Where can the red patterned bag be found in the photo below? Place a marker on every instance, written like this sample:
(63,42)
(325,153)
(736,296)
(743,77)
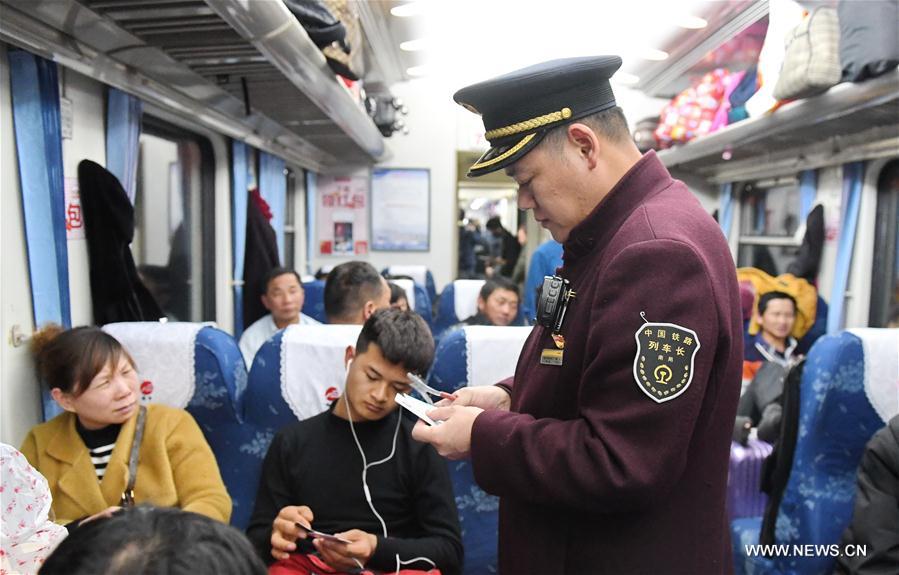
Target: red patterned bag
(692,112)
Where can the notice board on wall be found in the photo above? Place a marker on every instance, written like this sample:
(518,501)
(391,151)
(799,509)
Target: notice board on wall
(401,209)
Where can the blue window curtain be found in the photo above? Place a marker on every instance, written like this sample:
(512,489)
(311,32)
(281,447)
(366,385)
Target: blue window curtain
(853,178)
(808,189)
(123,113)
(726,208)
(311,199)
(35,103)
(239,193)
(273,189)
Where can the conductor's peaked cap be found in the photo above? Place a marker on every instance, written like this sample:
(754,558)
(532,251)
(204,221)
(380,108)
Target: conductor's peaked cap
(520,107)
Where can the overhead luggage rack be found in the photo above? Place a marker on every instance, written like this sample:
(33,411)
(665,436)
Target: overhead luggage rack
(251,74)
(848,119)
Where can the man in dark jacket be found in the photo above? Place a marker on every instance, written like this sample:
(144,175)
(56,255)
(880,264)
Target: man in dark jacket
(609,448)
(509,247)
(874,523)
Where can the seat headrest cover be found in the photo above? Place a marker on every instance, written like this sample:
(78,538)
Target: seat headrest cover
(165,358)
(492,352)
(417,273)
(466,297)
(408,287)
(312,365)
(881,350)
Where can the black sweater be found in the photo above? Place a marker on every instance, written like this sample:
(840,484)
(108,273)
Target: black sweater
(316,463)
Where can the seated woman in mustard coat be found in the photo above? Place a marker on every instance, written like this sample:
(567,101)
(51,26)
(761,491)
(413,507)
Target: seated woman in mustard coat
(84,453)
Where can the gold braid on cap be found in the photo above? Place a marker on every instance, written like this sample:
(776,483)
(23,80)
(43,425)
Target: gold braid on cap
(504,155)
(531,124)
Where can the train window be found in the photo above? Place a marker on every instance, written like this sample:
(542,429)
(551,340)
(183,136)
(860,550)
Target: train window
(290,230)
(885,283)
(769,218)
(174,221)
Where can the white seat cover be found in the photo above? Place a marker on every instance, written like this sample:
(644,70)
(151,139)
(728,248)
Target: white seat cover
(312,365)
(466,297)
(492,352)
(165,356)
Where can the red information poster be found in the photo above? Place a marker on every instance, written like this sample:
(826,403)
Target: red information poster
(74,218)
(342,215)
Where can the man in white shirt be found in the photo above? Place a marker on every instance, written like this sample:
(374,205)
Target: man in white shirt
(283,297)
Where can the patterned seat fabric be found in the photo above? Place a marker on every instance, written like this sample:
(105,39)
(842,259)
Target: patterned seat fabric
(264,412)
(217,405)
(836,419)
(478,511)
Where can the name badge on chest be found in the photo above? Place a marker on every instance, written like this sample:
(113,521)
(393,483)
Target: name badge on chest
(551,356)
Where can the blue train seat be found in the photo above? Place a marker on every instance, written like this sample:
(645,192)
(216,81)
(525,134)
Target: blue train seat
(419,301)
(421,275)
(314,300)
(847,393)
(295,374)
(204,373)
(476,355)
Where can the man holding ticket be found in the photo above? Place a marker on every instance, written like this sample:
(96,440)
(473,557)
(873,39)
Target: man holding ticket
(609,448)
(350,489)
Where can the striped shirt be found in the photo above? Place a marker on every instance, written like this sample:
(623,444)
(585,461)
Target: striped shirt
(99,443)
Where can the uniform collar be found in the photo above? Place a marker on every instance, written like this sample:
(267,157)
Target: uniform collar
(645,178)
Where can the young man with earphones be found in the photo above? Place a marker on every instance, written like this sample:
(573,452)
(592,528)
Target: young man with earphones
(349,490)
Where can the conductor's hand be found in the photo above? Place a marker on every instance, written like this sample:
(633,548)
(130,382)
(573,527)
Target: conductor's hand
(285,531)
(452,438)
(483,396)
(346,557)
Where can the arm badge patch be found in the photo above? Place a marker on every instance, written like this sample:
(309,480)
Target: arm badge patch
(663,366)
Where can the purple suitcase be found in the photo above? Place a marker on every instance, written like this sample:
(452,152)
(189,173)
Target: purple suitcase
(744,498)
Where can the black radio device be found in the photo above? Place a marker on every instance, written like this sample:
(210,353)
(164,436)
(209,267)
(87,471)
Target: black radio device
(555,296)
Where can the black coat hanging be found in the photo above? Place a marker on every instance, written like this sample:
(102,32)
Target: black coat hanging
(117,292)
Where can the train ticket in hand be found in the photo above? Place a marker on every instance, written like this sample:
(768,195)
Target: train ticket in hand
(313,534)
(417,407)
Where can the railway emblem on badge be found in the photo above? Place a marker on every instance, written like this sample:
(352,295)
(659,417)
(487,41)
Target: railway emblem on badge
(663,365)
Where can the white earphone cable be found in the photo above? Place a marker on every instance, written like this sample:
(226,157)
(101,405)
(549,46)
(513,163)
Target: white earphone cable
(366,466)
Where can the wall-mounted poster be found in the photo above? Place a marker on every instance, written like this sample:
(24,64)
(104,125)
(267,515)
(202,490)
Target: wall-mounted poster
(342,217)
(401,209)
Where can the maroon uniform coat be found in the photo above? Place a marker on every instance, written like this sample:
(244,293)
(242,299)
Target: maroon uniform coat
(610,465)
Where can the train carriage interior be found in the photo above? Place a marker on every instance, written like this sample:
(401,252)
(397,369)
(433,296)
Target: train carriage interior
(159,158)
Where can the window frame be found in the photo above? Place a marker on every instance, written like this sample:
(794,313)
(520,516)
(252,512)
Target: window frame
(159,128)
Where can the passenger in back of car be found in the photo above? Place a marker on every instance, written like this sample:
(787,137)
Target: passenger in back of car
(85,452)
(283,298)
(355,471)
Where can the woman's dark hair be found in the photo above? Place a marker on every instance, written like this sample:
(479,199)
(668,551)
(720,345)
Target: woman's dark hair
(397,293)
(149,540)
(70,359)
(402,336)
